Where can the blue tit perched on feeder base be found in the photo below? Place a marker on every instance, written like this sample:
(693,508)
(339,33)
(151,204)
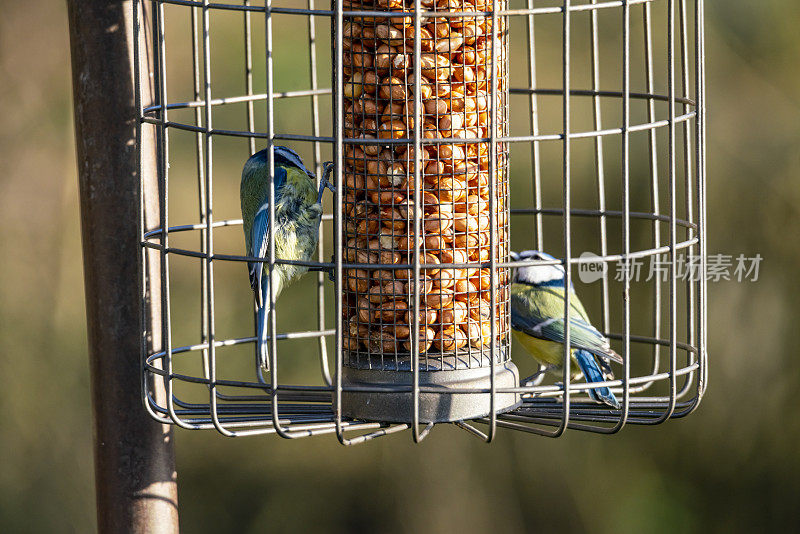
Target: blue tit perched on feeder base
(537,319)
(298,211)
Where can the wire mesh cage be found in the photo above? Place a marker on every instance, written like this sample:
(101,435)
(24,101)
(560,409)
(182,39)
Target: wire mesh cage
(458,129)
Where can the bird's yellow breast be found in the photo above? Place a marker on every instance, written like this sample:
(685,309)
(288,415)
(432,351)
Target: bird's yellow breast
(546,352)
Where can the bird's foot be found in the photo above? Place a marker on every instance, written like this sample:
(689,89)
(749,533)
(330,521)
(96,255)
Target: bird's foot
(326,177)
(324,182)
(536,378)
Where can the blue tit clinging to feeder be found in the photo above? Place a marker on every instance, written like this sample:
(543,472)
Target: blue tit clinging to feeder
(298,211)
(537,319)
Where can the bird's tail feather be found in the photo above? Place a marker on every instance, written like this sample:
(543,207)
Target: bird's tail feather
(262,315)
(592,373)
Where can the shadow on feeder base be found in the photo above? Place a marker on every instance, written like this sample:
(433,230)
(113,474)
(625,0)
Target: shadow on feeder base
(445,407)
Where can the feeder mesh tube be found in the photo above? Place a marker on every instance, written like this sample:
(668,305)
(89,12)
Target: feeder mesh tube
(454,205)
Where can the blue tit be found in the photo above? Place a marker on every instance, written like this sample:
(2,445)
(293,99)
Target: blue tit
(298,211)
(537,319)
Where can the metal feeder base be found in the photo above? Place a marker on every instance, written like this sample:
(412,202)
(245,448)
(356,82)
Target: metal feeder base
(447,406)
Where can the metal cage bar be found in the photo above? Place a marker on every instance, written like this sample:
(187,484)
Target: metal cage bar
(262,404)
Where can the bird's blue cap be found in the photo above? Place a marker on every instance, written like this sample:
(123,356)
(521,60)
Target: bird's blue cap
(284,156)
(538,275)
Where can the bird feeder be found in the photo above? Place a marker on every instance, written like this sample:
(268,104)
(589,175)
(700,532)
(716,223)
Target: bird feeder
(425,208)
(456,127)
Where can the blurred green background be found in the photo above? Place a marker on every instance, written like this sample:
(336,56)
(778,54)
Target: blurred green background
(732,466)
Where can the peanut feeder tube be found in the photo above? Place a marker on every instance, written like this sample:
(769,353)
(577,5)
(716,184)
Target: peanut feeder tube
(453,203)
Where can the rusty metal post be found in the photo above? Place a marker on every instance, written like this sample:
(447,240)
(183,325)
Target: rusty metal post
(134,459)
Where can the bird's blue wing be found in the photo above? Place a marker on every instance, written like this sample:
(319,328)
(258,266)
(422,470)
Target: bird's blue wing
(582,334)
(546,322)
(259,238)
(260,248)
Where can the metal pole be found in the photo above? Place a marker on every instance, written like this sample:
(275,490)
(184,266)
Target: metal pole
(134,460)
